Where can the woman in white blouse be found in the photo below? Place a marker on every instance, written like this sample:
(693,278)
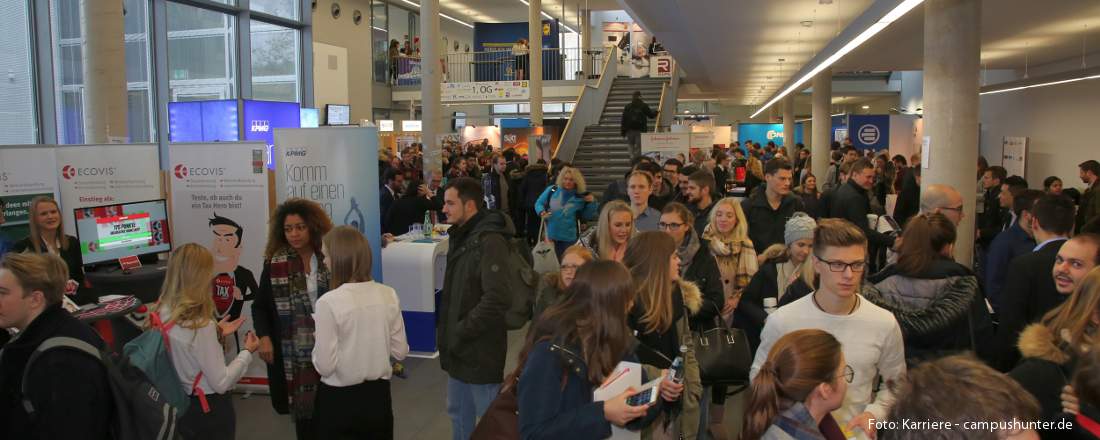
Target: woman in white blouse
(358,329)
(187,308)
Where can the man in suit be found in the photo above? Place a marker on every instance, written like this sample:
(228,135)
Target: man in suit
(1029,288)
(393,185)
(991,220)
(1013,242)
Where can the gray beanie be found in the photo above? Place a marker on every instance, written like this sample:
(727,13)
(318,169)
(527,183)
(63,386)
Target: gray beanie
(799,226)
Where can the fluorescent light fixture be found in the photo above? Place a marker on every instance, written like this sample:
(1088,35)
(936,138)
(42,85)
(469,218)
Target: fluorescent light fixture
(866,107)
(378,29)
(811,119)
(441,15)
(1051,80)
(893,15)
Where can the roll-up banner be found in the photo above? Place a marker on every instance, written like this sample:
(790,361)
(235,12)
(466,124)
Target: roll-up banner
(26,172)
(219,199)
(338,168)
(107,174)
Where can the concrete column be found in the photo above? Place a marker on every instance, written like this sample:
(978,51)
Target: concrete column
(430,79)
(104,58)
(788,125)
(822,123)
(952,30)
(534,67)
(586,42)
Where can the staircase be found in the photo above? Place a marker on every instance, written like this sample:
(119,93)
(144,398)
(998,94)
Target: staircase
(603,155)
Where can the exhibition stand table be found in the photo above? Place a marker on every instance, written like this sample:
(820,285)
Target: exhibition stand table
(143,282)
(415,269)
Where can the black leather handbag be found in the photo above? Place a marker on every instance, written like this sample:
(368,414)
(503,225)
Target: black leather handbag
(723,354)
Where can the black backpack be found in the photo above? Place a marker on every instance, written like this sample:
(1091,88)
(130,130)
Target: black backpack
(140,411)
(522,280)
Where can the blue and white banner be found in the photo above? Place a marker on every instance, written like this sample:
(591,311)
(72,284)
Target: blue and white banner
(763,133)
(869,131)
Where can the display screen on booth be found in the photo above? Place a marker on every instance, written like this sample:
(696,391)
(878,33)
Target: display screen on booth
(110,232)
(336,114)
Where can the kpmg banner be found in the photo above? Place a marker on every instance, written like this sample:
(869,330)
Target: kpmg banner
(485,91)
(108,174)
(26,172)
(763,133)
(261,118)
(338,168)
(869,131)
(220,200)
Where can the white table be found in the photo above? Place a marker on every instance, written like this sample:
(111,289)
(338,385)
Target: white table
(415,271)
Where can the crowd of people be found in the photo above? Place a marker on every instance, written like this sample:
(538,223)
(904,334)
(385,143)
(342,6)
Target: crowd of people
(851,330)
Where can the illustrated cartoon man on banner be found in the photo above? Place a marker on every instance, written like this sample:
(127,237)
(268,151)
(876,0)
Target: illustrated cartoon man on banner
(233,284)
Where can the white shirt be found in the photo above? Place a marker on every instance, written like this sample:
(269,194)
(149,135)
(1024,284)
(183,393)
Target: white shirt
(358,329)
(311,281)
(1040,245)
(870,339)
(199,350)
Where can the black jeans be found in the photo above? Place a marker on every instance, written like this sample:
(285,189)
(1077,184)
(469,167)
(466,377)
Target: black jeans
(218,424)
(363,411)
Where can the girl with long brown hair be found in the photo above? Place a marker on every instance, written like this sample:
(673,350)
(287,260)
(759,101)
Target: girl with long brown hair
(660,320)
(804,379)
(572,349)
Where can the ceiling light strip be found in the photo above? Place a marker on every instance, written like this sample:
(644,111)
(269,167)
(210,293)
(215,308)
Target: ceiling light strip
(893,15)
(442,15)
(1044,84)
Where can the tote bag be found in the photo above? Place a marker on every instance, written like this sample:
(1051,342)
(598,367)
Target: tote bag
(543,257)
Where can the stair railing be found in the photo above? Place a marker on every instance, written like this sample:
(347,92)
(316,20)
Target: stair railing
(589,108)
(666,111)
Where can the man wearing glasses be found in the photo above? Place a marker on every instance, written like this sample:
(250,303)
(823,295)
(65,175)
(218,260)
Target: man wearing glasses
(869,335)
(944,200)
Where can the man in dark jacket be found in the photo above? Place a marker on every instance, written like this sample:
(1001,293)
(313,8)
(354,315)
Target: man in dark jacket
(391,191)
(767,211)
(1029,289)
(534,183)
(1013,242)
(700,189)
(67,389)
(495,184)
(852,202)
(1089,210)
(471,335)
(635,121)
(991,220)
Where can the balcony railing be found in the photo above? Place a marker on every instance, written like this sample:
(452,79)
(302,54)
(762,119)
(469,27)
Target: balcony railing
(502,65)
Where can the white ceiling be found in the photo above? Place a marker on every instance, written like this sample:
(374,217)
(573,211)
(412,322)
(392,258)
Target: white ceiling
(512,11)
(731,48)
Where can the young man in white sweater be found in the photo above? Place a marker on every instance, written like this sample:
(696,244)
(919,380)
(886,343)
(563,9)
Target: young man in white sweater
(869,335)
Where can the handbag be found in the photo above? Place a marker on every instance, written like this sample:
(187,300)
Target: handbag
(723,355)
(501,420)
(544,258)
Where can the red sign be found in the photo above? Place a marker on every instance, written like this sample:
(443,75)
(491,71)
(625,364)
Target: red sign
(121,218)
(129,263)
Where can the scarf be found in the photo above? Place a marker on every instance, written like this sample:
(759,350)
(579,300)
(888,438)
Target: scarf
(296,328)
(687,251)
(736,259)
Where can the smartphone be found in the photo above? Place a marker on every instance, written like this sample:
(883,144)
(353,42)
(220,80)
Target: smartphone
(645,397)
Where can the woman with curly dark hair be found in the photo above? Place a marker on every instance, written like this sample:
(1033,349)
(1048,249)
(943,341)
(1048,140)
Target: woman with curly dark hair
(294,277)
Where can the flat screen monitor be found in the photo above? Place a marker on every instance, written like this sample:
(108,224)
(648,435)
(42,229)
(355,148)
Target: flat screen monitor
(203,121)
(310,117)
(109,232)
(460,121)
(336,114)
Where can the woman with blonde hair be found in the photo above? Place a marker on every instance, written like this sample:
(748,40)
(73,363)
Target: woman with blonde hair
(553,285)
(804,379)
(564,205)
(359,329)
(607,241)
(187,310)
(785,275)
(47,235)
(659,318)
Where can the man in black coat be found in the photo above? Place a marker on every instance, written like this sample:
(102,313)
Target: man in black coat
(852,202)
(68,389)
(394,184)
(767,211)
(535,181)
(635,121)
(991,220)
(1029,288)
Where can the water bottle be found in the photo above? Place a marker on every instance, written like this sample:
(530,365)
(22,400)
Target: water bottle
(429,231)
(678,366)
(770,304)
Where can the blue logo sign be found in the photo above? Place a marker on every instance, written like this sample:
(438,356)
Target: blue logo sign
(870,132)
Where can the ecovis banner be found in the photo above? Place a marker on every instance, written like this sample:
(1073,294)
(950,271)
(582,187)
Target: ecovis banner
(338,168)
(108,174)
(220,200)
(26,172)
(483,91)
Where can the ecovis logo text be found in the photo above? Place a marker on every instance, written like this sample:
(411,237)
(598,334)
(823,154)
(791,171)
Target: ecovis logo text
(296,152)
(69,171)
(182,171)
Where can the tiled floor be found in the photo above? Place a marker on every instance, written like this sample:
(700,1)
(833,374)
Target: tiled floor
(419,405)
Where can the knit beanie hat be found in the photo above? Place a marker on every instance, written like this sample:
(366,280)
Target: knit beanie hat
(798,227)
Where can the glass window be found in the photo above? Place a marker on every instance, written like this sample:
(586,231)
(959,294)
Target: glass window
(380,40)
(551,107)
(525,108)
(278,8)
(69,55)
(569,106)
(504,108)
(274,62)
(201,54)
(17,121)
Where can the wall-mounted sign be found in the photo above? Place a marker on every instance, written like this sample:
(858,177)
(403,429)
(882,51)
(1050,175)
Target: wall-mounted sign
(485,91)
(411,125)
(385,125)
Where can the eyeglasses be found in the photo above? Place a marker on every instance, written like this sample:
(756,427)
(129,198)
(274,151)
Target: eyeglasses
(956,208)
(669,226)
(849,373)
(569,267)
(839,266)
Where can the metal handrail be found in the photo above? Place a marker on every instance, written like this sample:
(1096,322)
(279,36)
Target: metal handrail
(502,65)
(660,108)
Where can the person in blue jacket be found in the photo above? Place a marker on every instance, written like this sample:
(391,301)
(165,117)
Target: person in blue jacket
(574,348)
(563,205)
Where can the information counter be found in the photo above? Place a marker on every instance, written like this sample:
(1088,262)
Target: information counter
(415,270)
